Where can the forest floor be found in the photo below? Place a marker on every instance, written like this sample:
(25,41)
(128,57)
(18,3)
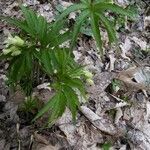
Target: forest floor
(117,113)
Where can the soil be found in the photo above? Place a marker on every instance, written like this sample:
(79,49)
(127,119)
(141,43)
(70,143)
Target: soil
(117,120)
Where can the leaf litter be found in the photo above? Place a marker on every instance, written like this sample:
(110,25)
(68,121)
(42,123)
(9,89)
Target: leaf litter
(96,123)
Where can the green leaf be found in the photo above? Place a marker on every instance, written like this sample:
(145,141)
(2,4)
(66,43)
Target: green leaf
(16,69)
(99,7)
(76,83)
(46,61)
(42,30)
(28,62)
(51,103)
(70,9)
(96,32)
(62,59)
(76,72)
(85,1)
(109,27)
(72,101)
(78,25)
(63,37)
(20,66)
(106,146)
(30,18)
(58,108)
(20,24)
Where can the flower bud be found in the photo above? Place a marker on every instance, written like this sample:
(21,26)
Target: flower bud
(13,50)
(55,71)
(17,41)
(90,81)
(6,51)
(16,53)
(88,74)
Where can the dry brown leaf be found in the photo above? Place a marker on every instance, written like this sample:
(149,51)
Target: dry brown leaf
(119,114)
(99,122)
(112,61)
(125,47)
(143,45)
(49,147)
(147,22)
(40,139)
(127,75)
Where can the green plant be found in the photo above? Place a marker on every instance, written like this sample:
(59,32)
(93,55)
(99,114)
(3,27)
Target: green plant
(106,146)
(29,104)
(66,82)
(94,10)
(115,85)
(38,48)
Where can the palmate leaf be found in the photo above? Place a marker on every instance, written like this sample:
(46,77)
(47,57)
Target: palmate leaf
(37,24)
(72,101)
(82,17)
(30,18)
(16,69)
(76,71)
(84,1)
(96,31)
(42,31)
(75,83)
(18,23)
(62,60)
(63,37)
(109,27)
(101,7)
(20,66)
(50,104)
(66,87)
(70,9)
(45,60)
(58,108)
(34,25)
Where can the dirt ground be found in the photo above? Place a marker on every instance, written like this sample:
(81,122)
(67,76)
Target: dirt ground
(109,120)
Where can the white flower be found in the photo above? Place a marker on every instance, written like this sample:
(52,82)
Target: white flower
(90,81)
(17,41)
(88,74)
(13,50)
(55,71)
(16,53)
(6,51)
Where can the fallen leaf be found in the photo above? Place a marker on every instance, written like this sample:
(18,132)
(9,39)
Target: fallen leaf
(99,122)
(119,114)
(125,47)
(142,44)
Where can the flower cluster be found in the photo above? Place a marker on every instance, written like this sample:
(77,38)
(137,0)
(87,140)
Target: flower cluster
(89,77)
(13,46)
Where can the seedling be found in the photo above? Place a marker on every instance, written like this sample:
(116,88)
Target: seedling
(37,47)
(94,11)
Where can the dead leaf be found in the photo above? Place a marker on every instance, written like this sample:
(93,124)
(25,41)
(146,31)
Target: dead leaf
(119,114)
(40,139)
(127,75)
(112,61)
(49,147)
(142,44)
(125,47)
(99,122)
(146,22)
